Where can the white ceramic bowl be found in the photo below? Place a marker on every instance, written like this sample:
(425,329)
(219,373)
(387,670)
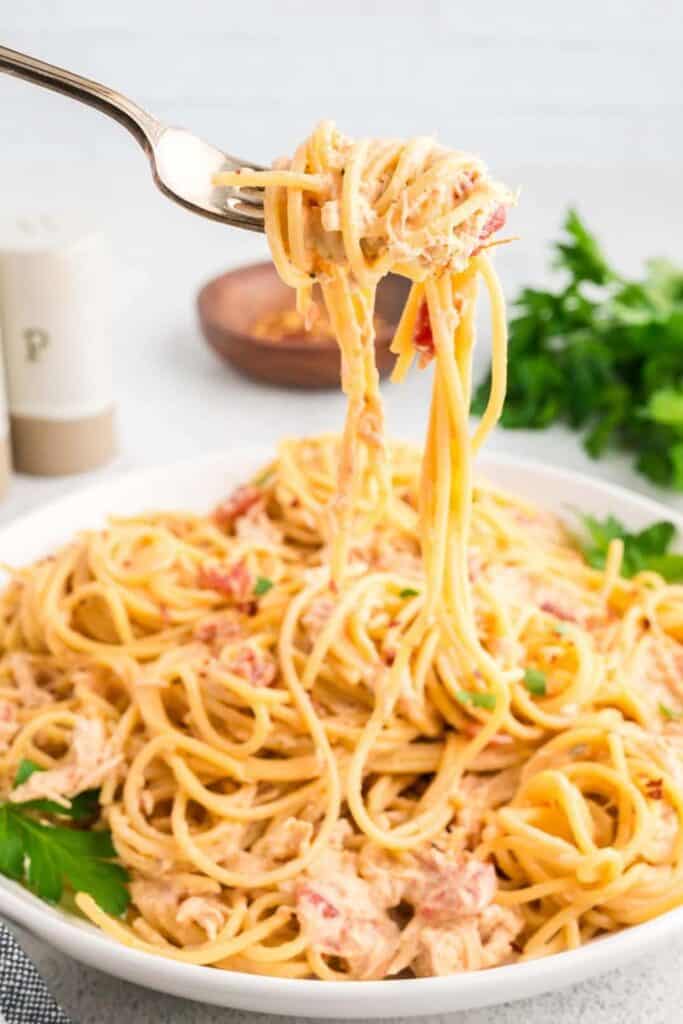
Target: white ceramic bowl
(197,485)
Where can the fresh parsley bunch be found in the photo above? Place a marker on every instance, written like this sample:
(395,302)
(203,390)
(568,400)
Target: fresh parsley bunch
(47,856)
(603,354)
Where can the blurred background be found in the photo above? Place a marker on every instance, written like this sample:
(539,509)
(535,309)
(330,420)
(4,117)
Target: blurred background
(575,104)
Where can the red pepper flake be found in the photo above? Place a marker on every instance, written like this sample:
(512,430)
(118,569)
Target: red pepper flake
(655,789)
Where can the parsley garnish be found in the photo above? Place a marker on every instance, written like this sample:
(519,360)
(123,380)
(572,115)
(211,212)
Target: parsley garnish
(409,592)
(535,682)
(45,857)
(262,586)
(669,713)
(603,354)
(479,700)
(646,550)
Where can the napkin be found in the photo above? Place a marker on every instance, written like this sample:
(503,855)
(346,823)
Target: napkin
(24,996)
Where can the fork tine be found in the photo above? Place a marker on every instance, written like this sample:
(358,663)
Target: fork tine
(249,211)
(252,196)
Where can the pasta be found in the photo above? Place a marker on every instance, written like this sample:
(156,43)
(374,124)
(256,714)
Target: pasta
(367,718)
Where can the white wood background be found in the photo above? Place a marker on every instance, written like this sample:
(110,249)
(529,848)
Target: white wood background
(577,102)
(593,81)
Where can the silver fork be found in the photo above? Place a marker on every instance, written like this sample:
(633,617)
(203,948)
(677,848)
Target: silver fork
(183,165)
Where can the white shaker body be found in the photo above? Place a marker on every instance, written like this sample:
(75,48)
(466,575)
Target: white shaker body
(55,316)
(5,447)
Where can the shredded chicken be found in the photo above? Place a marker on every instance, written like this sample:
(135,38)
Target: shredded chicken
(90,761)
(443,890)
(330,215)
(219,628)
(344,906)
(339,917)
(516,588)
(657,672)
(256,527)
(209,914)
(30,693)
(317,615)
(287,841)
(251,663)
(186,909)
(659,848)
(479,793)
(473,943)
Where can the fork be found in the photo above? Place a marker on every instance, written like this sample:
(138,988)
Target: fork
(183,165)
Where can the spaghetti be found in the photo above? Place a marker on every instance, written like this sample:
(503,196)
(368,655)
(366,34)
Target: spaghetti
(366,719)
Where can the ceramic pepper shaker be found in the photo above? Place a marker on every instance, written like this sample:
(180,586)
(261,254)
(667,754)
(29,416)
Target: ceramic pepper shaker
(55,319)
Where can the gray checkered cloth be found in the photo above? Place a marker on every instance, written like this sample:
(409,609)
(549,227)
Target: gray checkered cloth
(24,998)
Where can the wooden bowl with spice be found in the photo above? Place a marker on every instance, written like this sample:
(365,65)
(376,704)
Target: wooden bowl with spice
(248,317)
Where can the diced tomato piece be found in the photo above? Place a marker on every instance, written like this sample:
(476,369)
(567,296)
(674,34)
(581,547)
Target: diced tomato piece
(423,339)
(317,900)
(235,581)
(236,504)
(494,223)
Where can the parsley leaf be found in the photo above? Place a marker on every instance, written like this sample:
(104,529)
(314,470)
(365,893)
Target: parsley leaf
(603,354)
(535,682)
(46,856)
(478,700)
(580,253)
(646,550)
(262,586)
(56,854)
(409,592)
(25,770)
(11,847)
(669,713)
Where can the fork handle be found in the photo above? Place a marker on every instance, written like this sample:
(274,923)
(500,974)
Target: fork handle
(141,124)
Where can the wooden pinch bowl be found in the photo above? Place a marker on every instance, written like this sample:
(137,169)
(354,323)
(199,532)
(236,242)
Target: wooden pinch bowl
(230,305)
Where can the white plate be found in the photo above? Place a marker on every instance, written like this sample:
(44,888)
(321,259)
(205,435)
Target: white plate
(197,485)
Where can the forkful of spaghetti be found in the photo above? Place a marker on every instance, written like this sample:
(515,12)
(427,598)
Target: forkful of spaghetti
(343,214)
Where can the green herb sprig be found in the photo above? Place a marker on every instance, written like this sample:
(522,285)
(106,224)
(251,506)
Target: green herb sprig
(262,586)
(535,682)
(47,856)
(603,354)
(477,700)
(647,549)
(669,713)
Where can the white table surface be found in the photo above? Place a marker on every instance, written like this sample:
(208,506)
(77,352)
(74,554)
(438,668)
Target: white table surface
(592,102)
